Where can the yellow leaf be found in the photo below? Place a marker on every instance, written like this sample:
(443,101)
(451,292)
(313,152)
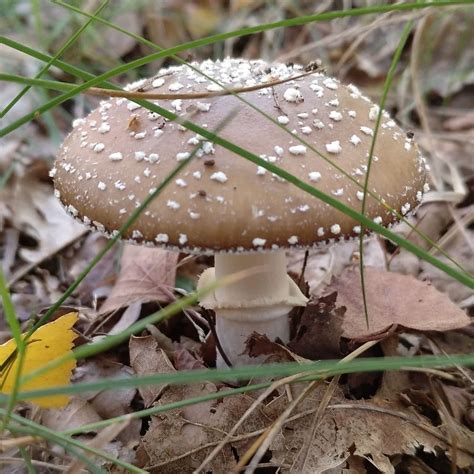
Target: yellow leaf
(49,342)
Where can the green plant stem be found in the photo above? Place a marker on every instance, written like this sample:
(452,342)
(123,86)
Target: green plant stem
(326,368)
(14,325)
(388,83)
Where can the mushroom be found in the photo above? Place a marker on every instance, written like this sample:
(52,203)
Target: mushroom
(224,205)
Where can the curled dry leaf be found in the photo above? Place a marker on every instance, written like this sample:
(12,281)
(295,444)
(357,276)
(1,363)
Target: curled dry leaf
(394,299)
(145,275)
(185,360)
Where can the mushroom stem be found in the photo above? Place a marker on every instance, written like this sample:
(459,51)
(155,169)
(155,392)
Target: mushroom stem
(258,303)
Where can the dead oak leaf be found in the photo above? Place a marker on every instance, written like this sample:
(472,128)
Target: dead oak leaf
(147,274)
(393,299)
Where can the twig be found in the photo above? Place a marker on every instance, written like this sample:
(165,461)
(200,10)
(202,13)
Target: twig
(316,421)
(304,414)
(97,91)
(260,447)
(4,460)
(212,326)
(6,444)
(303,268)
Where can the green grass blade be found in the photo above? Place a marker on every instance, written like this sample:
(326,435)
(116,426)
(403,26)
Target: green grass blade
(9,309)
(14,325)
(44,83)
(85,75)
(387,85)
(64,440)
(461,277)
(302,20)
(326,368)
(52,61)
(66,67)
(76,453)
(27,460)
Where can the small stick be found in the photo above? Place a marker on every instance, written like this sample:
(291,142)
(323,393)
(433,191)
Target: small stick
(212,325)
(97,91)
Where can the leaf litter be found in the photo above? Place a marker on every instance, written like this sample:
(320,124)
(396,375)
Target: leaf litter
(391,422)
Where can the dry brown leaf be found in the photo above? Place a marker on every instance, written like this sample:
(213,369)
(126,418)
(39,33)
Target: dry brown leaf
(128,317)
(144,275)
(38,213)
(179,440)
(174,433)
(259,346)
(76,413)
(147,358)
(319,330)
(393,299)
(107,403)
(184,360)
(99,280)
(374,431)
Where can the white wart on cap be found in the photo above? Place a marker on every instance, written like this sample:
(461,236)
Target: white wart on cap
(221,202)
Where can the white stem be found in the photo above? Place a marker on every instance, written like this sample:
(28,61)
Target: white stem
(232,331)
(260,302)
(269,284)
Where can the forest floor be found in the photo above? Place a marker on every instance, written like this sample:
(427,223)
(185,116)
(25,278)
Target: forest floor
(418,420)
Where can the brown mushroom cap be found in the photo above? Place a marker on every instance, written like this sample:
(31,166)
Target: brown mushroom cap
(221,202)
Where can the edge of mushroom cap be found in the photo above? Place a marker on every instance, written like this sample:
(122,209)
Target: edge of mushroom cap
(320,244)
